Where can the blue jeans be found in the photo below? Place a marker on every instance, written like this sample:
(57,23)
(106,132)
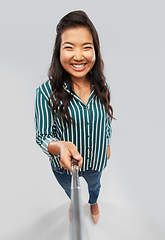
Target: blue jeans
(92,178)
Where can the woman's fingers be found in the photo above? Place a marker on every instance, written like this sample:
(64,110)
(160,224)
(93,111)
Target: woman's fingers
(78,157)
(63,165)
(68,152)
(65,162)
(80,160)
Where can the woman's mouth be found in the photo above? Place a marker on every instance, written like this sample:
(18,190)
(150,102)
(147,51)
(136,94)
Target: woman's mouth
(79,67)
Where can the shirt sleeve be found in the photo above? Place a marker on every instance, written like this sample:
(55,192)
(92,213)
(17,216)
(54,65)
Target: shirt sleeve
(43,122)
(108,125)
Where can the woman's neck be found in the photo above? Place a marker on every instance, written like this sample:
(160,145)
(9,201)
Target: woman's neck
(81,82)
(83,90)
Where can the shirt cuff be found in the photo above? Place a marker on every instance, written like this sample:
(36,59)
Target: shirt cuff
(108,141)
(43,142)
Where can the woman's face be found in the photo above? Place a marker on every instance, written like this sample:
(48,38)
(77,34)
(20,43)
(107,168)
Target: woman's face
(77,53)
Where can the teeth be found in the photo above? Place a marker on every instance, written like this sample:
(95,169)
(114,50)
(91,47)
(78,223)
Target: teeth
(78,66)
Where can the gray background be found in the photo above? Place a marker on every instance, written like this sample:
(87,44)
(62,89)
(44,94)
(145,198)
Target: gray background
(132,36)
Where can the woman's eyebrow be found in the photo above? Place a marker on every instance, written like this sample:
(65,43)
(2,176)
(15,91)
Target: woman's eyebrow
(82,44)
(67,43)
(88,43)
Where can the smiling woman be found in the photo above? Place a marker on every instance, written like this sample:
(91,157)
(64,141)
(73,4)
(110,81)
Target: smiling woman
(77,53)
(73,111)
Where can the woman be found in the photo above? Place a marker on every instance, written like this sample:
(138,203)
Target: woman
(73,112)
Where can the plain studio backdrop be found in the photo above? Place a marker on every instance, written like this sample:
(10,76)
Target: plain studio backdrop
(32,204)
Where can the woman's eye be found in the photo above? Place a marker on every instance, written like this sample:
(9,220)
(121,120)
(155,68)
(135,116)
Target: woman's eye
(88,48)
(67,47)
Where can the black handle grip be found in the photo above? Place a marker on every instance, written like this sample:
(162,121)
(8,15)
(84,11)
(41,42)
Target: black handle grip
(74,162)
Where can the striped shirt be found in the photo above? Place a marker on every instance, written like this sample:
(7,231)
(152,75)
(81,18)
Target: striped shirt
(91,133)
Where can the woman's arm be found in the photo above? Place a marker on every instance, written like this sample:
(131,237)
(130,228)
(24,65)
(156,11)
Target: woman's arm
(43,121)
(45,138)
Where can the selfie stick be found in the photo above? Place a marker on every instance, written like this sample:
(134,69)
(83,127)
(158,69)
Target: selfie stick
(76,219)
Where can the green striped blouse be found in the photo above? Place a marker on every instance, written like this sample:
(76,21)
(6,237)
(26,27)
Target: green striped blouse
(91,133)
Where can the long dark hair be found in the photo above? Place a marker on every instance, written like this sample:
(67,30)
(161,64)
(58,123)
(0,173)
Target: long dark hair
(58,75)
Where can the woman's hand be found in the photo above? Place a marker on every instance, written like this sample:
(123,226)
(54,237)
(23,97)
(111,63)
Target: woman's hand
(108,152)
(66,150)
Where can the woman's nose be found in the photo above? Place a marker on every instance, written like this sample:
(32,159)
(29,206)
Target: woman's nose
(78,55)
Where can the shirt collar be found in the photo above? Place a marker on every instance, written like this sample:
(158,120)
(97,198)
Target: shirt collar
(66,87)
